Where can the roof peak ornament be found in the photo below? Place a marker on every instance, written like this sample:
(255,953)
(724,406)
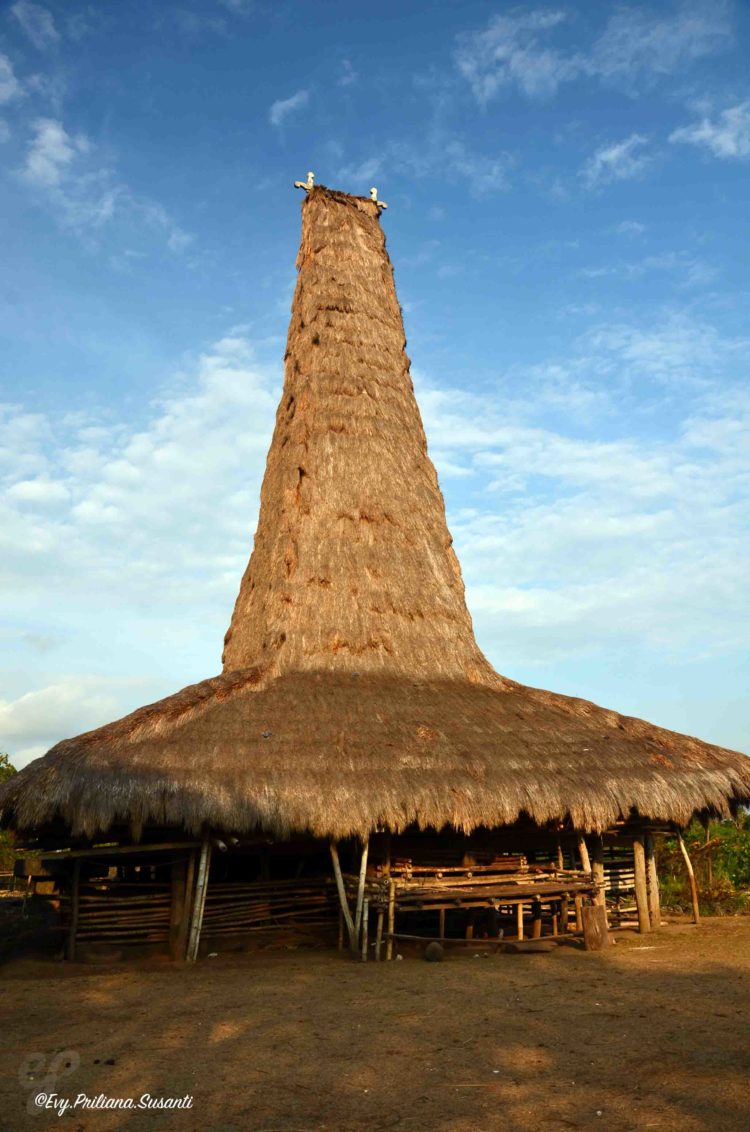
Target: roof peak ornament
(306,185)
(374,197)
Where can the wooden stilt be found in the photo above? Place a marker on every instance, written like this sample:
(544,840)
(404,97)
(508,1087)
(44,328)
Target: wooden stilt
(199,902)
(578,905)
(652,883)
(595,933)
(361,888)
(564,915)
(583,853)
(379,935)
(75,899)
(519,920)
(441,923)
(536,919)
(365,928)
(560,857)
(691,878)
(641,890)
(344,903)
(391,918)
(178,911)
(597,869)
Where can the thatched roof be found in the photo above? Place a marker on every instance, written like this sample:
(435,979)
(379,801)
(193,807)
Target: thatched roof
(354,693)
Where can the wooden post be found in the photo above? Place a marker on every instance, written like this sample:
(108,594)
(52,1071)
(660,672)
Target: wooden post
(441,923)
(361,888)
(578,905)
(564,914)
(75,900)
(583,853)
(652,883)
(519,920)
(379,935)
(391,918)
(597,869)
(595,933)
(560,858)
(536,919)
(342,898)
(365,928)
(641,889)
(691,878)
(178,918)
(199,902)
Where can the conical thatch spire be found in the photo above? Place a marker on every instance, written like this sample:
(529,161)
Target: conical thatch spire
(353,565)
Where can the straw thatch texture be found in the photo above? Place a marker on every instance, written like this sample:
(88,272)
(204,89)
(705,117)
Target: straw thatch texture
(354,693)
(353,564)
(337,754)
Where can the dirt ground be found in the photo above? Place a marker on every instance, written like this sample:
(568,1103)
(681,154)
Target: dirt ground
(652,1034)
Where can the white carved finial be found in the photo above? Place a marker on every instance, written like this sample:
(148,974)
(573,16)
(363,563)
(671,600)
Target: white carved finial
(306,185)
(374,197)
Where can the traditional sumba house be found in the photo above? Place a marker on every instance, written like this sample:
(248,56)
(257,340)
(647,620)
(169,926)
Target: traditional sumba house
(358,762)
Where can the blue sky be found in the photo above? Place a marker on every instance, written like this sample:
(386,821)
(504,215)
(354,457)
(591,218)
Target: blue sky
(568,189)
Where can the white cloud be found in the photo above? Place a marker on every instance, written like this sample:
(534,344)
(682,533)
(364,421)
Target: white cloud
(51,152)
(509,52)
(84,193)
(636,46)
(10,87)
(38,24)
(620,161)
(283,107)
(727,137)
(36,720)
(630,228)
(40,492)
(639,42)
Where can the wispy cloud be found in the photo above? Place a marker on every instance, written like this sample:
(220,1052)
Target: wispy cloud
(517,49)
(284,107)
(728,136)
(620,161)
(10,87)
(83,192)
(51,153)
(347,75)
(38,24)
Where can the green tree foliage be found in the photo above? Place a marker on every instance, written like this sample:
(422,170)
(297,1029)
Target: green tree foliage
(7,852)
(721,859)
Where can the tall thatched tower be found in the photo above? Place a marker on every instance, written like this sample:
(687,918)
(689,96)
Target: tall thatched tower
(353,565)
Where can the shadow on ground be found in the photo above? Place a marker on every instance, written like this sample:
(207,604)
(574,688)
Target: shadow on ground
(652,1034)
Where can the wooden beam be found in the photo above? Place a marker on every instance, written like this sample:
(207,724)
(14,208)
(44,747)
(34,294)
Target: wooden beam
(691,878)
(641,888)
(199,902)
(342,897)
(652,882)
(116,850)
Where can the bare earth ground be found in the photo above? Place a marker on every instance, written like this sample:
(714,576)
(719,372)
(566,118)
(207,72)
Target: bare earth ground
(652,1034)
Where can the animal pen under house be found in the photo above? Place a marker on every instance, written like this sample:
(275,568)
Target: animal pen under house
(358,772)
